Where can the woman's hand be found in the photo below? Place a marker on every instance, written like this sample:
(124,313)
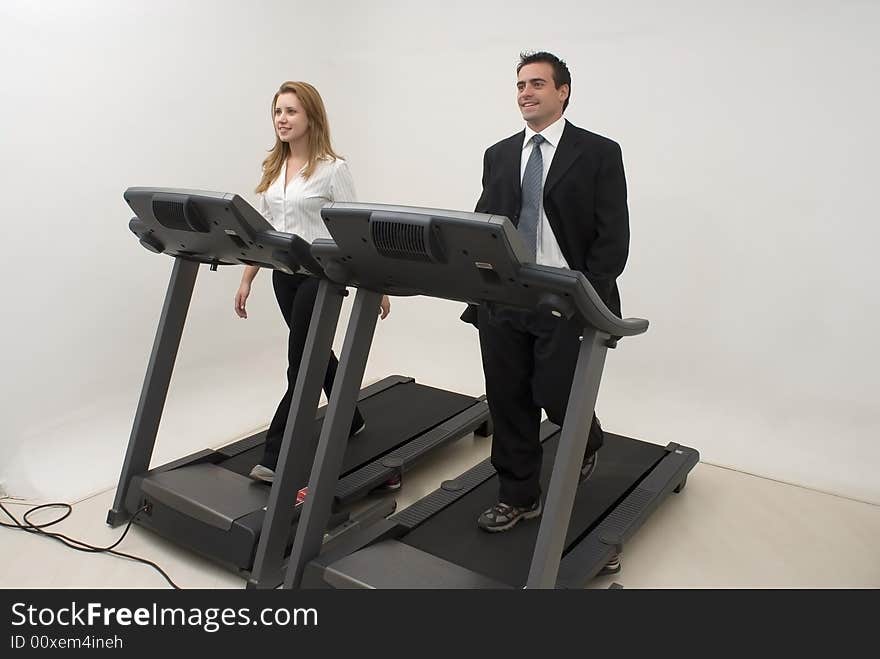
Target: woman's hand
(384,307)
(241,296)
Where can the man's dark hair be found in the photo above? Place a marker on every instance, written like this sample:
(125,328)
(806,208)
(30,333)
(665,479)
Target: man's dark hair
(561,74)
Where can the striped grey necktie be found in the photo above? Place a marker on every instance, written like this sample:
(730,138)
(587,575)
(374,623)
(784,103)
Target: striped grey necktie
(532,190)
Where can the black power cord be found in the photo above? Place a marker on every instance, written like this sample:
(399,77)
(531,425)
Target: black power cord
(78,545)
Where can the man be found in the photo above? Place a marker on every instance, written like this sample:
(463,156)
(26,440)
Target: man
(565,189)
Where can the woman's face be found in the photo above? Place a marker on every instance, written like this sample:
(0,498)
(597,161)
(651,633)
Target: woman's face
(291,122)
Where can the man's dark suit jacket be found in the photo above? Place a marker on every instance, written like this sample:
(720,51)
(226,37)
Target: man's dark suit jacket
(584,198)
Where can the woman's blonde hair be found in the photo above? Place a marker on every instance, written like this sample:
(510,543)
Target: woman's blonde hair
(318,134)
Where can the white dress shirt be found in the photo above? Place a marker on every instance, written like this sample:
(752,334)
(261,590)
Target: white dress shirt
(297,209)
(548,248)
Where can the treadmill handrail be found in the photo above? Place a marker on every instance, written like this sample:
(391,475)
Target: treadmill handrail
(594,311)
(437,238)
(298,248)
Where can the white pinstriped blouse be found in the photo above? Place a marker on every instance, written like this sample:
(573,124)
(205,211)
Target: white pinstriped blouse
(298,208)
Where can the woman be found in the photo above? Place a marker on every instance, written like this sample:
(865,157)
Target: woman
(301,174)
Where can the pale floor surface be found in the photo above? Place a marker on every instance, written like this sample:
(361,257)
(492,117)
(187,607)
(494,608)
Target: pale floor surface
(726,530)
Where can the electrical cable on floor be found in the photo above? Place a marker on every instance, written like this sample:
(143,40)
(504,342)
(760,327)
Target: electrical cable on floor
(78,545)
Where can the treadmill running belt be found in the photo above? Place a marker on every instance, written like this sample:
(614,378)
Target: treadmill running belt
(453,534)
(393,417)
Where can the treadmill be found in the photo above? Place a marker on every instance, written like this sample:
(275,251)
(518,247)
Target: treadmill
(206,501)
(435,543)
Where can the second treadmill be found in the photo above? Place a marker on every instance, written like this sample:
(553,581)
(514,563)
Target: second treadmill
(206,501)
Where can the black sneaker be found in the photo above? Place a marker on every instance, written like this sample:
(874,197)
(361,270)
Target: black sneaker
(502,516)
(589,466)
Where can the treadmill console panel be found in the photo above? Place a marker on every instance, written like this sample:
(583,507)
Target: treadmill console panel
(211,227)
(469,257)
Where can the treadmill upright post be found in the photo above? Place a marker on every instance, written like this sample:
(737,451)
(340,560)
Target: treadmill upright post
(564,479)
(297,444)
(334,435)
(156,381)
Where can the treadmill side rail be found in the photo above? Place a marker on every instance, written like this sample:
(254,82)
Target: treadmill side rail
(590,555)
(404,457)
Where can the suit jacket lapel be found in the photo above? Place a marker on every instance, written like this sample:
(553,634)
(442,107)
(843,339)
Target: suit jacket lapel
(511,156)
(567,151)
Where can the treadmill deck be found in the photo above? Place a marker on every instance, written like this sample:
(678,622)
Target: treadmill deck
(453,535)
